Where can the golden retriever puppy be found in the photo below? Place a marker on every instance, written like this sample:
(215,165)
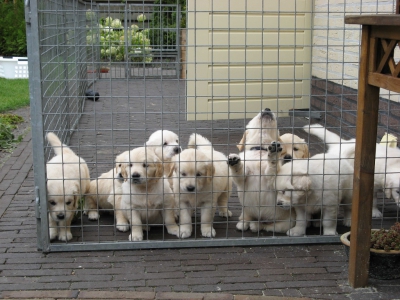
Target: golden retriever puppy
(106,191)
(68,180)
(254,173)
(260,131)
(293,147)
(387,163)
(166,144)
(259,134)
(201,180)
(316,185)
(147,198)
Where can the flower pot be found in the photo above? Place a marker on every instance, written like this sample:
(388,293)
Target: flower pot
(382,264)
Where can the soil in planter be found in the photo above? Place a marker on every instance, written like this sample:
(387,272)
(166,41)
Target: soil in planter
(381,265)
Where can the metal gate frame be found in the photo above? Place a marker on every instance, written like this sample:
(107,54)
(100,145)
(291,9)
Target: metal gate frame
(72,80)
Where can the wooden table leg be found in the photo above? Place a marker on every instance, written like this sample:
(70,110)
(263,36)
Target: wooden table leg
(364,163)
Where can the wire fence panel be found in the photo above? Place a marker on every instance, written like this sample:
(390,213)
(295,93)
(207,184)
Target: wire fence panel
(199,123)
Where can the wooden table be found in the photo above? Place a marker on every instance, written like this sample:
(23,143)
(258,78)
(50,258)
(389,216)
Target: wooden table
(377,69)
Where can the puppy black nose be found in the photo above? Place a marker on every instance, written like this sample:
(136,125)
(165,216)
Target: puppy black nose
(280,203)
(190,188)
(177,150)
(60,216)
(135,175)
(266,112)
(287,157)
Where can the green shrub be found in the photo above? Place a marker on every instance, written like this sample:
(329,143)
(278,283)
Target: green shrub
(12,28)
(163,24)
(111,36)
(7,124)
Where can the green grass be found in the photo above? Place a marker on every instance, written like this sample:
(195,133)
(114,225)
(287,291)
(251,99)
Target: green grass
(14,93)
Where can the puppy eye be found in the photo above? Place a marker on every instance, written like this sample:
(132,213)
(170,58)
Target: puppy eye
(119,165)
(198,174)
(145,165)
(130,165)
(52,202)
(296,149)
(177,141)
(397,191)
(68,202)
(183,174)
(165,144)
(283,192)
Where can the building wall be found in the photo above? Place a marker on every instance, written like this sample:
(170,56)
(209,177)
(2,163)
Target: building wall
(336,45)
(338,106)
(335,58)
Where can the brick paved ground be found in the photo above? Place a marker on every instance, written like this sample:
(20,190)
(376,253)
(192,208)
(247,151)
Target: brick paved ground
(302,271)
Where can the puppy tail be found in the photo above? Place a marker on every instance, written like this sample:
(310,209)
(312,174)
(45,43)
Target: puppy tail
(200,142)
(324,134)
(57,145)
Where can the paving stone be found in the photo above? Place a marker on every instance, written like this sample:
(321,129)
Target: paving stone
(178,296)
(116,295)
(39,294)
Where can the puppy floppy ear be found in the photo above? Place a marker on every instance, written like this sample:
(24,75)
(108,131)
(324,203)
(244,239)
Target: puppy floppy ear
(306,152)
(159,173)
(77,195)
(210,171)
(242,142)
(124,171)
(301,183)
(171,166)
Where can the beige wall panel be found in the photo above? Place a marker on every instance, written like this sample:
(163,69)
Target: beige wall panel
(255,89)
(284,72)
(244,56)
(255,54)
(239,109)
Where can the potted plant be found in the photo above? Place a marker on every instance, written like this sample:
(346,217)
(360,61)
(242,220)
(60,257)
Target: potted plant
(384,260)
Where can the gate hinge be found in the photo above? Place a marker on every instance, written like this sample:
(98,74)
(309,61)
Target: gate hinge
(37,203)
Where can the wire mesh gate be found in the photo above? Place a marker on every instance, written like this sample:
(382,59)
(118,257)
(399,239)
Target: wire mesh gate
(146,83)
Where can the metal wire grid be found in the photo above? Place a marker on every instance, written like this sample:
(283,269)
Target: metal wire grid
(133,107)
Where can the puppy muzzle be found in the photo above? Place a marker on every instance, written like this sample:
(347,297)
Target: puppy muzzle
(190,188)
(283,205)
(177,150)
(287,158)
(135,178)
(267,113)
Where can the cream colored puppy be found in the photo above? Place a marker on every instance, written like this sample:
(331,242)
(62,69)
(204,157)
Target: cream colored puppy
(254,173)
(260,131)
(166,145)
(387,163)
(293,147)
(68,180)
(147,198)
(319,184)
(106,192)
(201,181)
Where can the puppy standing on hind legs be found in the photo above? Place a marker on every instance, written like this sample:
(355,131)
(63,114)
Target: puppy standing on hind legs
(67,180)
(254,173)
